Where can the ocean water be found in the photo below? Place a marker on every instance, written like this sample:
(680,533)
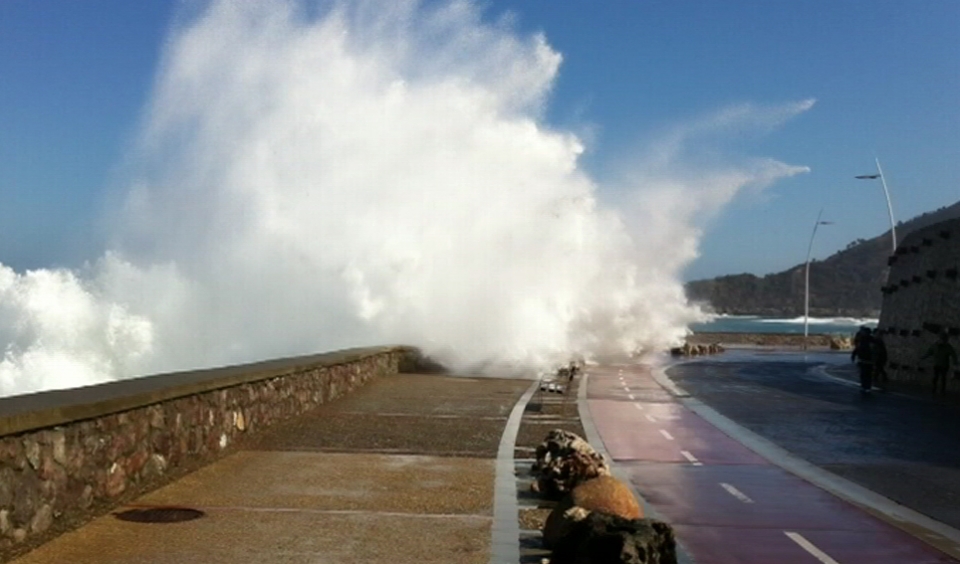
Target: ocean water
(757,324)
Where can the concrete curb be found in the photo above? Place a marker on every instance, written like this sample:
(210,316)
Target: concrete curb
(505,532)
(936,534)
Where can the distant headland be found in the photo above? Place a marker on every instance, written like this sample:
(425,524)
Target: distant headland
(845,284)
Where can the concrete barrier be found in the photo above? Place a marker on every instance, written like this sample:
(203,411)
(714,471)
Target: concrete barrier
(64,452)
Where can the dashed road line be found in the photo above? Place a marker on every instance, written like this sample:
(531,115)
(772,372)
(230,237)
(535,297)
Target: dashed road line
(693,459)
(809,547)
(736,493)
(666,434)
(638,406)
(626,389)
(932,532)
(651,418)
(631,396)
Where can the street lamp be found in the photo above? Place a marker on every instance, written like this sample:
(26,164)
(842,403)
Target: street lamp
(893,226)
(806,286)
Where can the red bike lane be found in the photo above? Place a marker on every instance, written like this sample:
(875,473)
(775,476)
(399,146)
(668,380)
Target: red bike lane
(727,504)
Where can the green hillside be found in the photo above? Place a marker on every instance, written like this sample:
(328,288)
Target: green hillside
(847,283)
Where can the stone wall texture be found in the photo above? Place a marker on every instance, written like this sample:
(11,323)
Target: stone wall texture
(63,451)
(922,298)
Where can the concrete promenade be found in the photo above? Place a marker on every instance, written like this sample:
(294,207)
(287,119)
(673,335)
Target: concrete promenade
(416,468)
(401,471)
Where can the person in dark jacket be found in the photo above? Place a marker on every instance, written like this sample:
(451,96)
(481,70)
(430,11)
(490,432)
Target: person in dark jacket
(943,355)
(864,331)
(879,359)
(863,354)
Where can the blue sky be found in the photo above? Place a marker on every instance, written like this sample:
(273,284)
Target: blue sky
(74,77)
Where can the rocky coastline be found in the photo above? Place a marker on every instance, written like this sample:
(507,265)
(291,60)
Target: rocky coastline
(773,340)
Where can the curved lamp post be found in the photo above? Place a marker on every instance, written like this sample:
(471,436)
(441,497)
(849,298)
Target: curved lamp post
(879,174)
(806,286)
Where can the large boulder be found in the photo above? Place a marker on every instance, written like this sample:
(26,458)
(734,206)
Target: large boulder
(564,460)
(609,495)
(840,343)
(600,538)
(691,349)
(604,494)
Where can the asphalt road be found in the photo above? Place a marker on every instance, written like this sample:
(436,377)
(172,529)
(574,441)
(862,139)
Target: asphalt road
(904,447)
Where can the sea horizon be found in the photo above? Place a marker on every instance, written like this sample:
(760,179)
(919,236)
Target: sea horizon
(839,325)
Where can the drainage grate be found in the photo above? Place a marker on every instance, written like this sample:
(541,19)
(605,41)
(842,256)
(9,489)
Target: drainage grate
(159,515)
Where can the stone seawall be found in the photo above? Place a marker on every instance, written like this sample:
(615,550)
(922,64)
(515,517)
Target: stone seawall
(922,298)
(67,451)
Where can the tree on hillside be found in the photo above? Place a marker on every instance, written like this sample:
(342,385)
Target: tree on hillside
(846,283)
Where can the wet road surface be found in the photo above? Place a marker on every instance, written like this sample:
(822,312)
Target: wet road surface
(903,447)
(726,503)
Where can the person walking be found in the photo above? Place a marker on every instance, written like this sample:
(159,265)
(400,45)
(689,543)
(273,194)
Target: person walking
(863,354)
(943,355)
(861,333)
(879,360)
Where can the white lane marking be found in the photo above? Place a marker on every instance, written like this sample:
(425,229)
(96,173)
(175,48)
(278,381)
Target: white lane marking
(638,406)
(651,419)
(809,547)
(840,487)
(631,396)
(666,434)
(693,459)
(736,493)
(626,388)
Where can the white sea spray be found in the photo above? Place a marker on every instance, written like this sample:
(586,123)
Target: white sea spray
(311,177)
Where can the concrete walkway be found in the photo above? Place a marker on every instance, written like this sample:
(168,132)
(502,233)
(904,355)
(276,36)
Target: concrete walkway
(402,471)
(418,469)
(727,503)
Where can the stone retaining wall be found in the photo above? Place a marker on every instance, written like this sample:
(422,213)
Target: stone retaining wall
(922,298)
(63,451)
